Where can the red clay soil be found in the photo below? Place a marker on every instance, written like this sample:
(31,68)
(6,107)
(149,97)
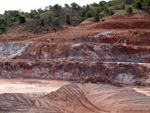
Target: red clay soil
(138,21)
(82,54)
(116,24)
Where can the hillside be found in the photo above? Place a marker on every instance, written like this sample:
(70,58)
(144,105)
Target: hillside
(55,16)
(91,66)
(108,69)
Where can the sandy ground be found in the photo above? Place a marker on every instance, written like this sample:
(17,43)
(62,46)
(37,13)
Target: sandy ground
(29,86)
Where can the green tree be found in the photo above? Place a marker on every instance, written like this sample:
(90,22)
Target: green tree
(89,14)
(83,13)
(147,3)
(67,6)
(110,13)
(56,14)
(106,11)
(138,5)
(96,17)
(38,16)
(41,22)
(3,21)
(94,5)
(87,7)
(110,3)
(31,15)
(56,22)
(75,6)
(49,18)
(129,10)
(22,19)
(40,11)
(67,19)
(2,28)
(56,7)
(97,10)
(82,18)
(122,6)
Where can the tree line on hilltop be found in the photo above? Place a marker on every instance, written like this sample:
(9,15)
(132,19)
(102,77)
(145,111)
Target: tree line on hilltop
(9,18)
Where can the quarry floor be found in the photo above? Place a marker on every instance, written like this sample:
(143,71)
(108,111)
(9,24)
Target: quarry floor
(37,87)
(30,86)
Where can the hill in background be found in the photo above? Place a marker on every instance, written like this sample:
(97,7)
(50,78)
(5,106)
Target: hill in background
(58,17)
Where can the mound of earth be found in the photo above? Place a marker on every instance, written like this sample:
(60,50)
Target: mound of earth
(77,98)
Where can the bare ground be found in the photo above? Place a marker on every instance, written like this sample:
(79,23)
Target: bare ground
(116,61)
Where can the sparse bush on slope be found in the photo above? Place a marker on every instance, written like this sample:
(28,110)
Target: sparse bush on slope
(129,11)
(138,5)
(22,19)
(56,22)
(67,19)
(42,22)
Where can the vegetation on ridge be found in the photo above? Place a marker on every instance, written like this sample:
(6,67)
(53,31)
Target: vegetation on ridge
(73,14)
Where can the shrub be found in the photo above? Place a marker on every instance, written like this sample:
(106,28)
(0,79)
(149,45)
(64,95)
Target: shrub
(3,21)
(67,19)
(111,13)
(129,10)
(106,11)
(56,7)
(147,3)
(82,19)
(41,22)
(2,28)
(138,5)
(22,19)
(87,7)
(49,18)
(94,5)
(122,6)
(56,22)
(97,10)
(40,10)
(38,16)
(67,6)
(83,13)
(31,15)
(116,7)
(96,17)
(56,14)
(75,6)
(89,14)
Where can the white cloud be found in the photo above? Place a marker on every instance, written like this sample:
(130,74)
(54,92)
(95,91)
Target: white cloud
(27,5)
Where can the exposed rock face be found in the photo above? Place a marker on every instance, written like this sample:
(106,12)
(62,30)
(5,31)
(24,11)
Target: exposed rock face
(13,49)
(101,58)
(118,57)
(127,73)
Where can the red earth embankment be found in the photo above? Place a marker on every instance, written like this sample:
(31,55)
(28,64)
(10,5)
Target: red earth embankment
(138,21)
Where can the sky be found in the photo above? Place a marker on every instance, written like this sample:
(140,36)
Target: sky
(27,5)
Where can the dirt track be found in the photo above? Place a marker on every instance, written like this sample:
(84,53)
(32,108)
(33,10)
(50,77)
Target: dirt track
(29,86)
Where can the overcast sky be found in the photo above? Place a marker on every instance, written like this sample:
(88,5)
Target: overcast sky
(27,5)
